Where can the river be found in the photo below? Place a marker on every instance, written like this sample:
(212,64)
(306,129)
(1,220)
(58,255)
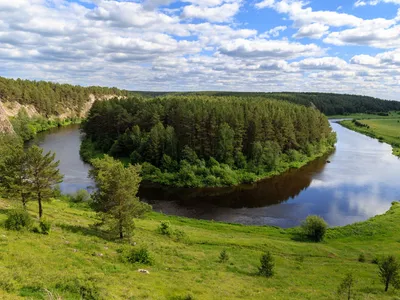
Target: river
(360,181)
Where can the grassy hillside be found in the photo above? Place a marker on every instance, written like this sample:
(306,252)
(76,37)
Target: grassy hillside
(386,130)
(77,260)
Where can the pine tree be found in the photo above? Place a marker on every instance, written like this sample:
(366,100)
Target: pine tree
(115,198)
(43,174)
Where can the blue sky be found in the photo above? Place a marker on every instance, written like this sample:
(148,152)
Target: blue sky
(348,46)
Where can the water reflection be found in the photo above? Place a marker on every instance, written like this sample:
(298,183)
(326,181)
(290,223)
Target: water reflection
(360,182)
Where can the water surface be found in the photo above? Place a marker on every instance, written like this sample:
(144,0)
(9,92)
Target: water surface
(361,181)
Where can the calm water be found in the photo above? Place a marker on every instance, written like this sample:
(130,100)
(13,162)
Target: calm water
(361,181)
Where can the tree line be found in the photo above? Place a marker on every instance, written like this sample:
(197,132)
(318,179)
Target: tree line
(328,103)
(51,98)
(207,141)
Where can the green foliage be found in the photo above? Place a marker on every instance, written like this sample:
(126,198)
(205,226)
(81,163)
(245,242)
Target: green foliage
(80,196)
(139,255)
(361,258)
(389,271)
(223,256)
(17,220)
(115,198)
(165,228)
(45,226)
(50,98)
(207,141)
(346,287)
(85,288)
(43,174)
(267,265)
(314,228)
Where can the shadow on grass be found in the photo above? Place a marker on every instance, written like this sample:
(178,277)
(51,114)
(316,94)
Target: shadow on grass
(88,231)
(4,211)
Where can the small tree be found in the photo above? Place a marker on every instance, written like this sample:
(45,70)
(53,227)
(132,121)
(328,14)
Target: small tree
(115,197)
(314,228)
(16,179)
(346,286)
(389,271)
(267,265)
(43,174)
(223,256)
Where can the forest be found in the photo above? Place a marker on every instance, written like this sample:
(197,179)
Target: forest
(198,140)
(329,104)
(51,98)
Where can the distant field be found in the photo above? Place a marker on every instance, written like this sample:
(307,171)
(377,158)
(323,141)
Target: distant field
(75,261)
(392,115)
(386,130)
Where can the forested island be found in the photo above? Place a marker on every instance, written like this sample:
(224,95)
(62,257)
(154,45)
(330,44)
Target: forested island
(196,141)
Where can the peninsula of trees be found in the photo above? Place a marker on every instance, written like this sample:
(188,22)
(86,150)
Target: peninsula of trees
(195,141)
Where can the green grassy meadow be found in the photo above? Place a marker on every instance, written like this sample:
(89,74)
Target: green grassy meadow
(362,116)
(76,261)
(386,130)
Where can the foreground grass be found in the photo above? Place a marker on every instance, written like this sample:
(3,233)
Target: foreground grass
(385,130)
(76,260)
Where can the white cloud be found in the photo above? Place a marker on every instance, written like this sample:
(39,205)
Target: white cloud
(261,48)
(359,3)
(274,32)
(221,13)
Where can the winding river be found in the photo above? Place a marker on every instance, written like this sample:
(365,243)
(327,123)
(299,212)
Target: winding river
(361,180)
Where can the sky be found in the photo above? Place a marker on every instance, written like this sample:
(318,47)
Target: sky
(340,46)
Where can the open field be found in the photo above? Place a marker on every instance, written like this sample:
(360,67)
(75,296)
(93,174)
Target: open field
(386,130)
(392,115)
(76,260)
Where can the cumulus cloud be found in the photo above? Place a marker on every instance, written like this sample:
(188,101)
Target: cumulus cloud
(198,45)
(221,13)
(261,48)
(359,3)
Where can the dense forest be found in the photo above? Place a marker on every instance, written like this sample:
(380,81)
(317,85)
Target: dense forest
(51,98)
(328,104)
(206,141)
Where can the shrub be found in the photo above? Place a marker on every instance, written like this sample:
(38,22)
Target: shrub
(267,265)
(314,228)
(18,220)
(165,228)
(80,196)
(361,258)
(223,256)
(375,260)
(140,255)
(45,226)
(179,235)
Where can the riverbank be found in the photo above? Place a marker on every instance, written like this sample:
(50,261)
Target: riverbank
(385,130)
(35,265)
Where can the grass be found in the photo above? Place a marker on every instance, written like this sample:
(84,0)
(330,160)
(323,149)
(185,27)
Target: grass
(360,116)
(385,130)
(77,262)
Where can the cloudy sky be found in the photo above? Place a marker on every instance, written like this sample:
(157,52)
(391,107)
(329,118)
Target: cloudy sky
(350,46)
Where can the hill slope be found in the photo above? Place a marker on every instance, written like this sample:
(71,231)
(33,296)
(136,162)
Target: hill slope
(76,260)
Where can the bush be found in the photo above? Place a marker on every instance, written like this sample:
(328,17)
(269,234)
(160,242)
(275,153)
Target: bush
(267,265)
(45,226)
(80,196)
(18,220)
(165,228)
(140,255)
(314,228)
(361,258)
(223,256)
